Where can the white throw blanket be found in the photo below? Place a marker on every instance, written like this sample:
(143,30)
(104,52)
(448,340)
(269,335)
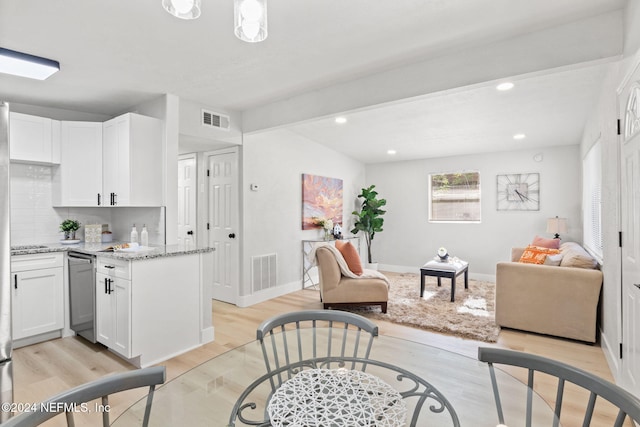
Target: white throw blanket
(344,268)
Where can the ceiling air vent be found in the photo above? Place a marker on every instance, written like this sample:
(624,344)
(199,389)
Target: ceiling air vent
(215,120)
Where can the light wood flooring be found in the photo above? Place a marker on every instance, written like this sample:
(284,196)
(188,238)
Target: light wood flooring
(47,368)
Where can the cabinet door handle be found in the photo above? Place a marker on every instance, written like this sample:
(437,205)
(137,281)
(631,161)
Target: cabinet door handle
(190,232)
(98,199)
(115,198)
(105,286)
(110,290)
(110,266)
(15,281)
(111,199)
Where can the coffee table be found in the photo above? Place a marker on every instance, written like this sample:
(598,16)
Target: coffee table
(450,269)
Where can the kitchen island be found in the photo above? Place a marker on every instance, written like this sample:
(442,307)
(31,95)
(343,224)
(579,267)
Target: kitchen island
(150,304)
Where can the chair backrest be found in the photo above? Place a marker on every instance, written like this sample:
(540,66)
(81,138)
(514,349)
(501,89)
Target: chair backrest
(627,404)
(71,400)
(303,335)
(328,270)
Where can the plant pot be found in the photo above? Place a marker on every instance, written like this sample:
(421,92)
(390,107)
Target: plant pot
(372,266)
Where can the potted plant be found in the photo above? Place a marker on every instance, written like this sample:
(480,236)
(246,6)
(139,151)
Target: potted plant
(369,220)
(69,226)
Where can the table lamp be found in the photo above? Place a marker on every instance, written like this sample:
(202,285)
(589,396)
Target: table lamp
(557,225)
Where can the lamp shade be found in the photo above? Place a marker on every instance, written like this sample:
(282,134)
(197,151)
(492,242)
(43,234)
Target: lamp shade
(250,20)
(25,65)
(557,225)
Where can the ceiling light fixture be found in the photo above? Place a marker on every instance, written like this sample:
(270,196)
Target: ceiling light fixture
(519,136)
(505,86)
(250,20)
(391,152)
(341,120)
(183,9)
(25,65)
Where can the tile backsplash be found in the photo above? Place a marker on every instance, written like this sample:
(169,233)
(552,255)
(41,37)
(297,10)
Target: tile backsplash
(34,220)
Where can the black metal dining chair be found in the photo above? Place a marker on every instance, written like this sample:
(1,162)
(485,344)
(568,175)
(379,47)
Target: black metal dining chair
(330,333)
(71,401)
(628,406)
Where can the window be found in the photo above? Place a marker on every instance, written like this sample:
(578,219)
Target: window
(591,202)
(454,197)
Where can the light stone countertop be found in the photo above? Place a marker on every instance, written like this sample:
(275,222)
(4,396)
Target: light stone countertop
(155,251)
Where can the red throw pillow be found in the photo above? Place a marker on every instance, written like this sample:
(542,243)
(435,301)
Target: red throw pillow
(546,243)
(351,256)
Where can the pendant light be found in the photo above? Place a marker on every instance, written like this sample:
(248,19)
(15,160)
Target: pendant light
(250,20)
(183,9)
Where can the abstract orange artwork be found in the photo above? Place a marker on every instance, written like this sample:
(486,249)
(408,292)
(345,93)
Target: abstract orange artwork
(321,200)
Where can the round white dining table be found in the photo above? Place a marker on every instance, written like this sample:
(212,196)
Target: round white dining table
(206,394)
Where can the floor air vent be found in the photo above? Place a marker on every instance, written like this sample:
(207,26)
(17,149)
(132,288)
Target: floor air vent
(215,120)
(263,272)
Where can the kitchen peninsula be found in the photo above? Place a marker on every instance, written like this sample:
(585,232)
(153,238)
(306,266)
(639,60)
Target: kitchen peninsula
(151,304)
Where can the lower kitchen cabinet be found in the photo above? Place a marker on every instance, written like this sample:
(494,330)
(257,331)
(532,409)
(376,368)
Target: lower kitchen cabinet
(37,299)
(113,313)
(150,310)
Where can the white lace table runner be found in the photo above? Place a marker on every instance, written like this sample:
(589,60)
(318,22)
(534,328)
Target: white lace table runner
(336,397)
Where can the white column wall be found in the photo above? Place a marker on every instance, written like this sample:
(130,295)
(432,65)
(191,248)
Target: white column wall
(272,216)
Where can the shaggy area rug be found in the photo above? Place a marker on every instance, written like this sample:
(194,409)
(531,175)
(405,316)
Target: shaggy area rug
(472,315)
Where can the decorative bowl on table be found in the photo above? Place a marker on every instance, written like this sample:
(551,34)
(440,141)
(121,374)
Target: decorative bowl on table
(443,254)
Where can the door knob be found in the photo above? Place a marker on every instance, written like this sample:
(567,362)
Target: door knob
(190,232)
(232,235)
(637,285)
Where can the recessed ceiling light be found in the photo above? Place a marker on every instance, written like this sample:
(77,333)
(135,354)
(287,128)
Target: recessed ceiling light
(519,136)
(341,120)
(505,86)
(391,152)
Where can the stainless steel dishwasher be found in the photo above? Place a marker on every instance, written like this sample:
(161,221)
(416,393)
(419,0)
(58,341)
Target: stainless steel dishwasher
(82,291)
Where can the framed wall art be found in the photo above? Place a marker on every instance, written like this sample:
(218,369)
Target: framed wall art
(518,192)
(321,200)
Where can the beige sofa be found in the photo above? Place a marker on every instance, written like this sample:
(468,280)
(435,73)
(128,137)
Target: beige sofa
(339,290)
(553,300)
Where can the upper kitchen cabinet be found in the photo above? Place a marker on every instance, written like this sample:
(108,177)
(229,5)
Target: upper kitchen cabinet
(132,161)
(78,180)
(34,139)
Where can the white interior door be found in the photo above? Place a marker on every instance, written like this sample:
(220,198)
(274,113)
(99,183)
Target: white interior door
(223,224)
(187,193)
(630,219)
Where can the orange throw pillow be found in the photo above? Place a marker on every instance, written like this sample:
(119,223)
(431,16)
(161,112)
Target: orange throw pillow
(536,254)
(351,256)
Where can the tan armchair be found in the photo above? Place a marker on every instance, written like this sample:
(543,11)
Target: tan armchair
(336,289)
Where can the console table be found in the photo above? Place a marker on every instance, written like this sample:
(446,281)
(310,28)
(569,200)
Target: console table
(307,245)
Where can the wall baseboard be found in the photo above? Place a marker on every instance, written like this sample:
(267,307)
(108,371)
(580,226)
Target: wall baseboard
(414,269)
(267,294)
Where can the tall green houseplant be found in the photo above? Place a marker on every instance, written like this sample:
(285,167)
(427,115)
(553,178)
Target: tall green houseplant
(369,220)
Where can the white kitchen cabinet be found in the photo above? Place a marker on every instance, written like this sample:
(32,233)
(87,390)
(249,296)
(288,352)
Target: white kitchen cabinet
(37,299)
(78,180)
(113,306)
(32,139)
(153,309)
(132,161)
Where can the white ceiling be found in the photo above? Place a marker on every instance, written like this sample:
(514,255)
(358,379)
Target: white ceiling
(119,53)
